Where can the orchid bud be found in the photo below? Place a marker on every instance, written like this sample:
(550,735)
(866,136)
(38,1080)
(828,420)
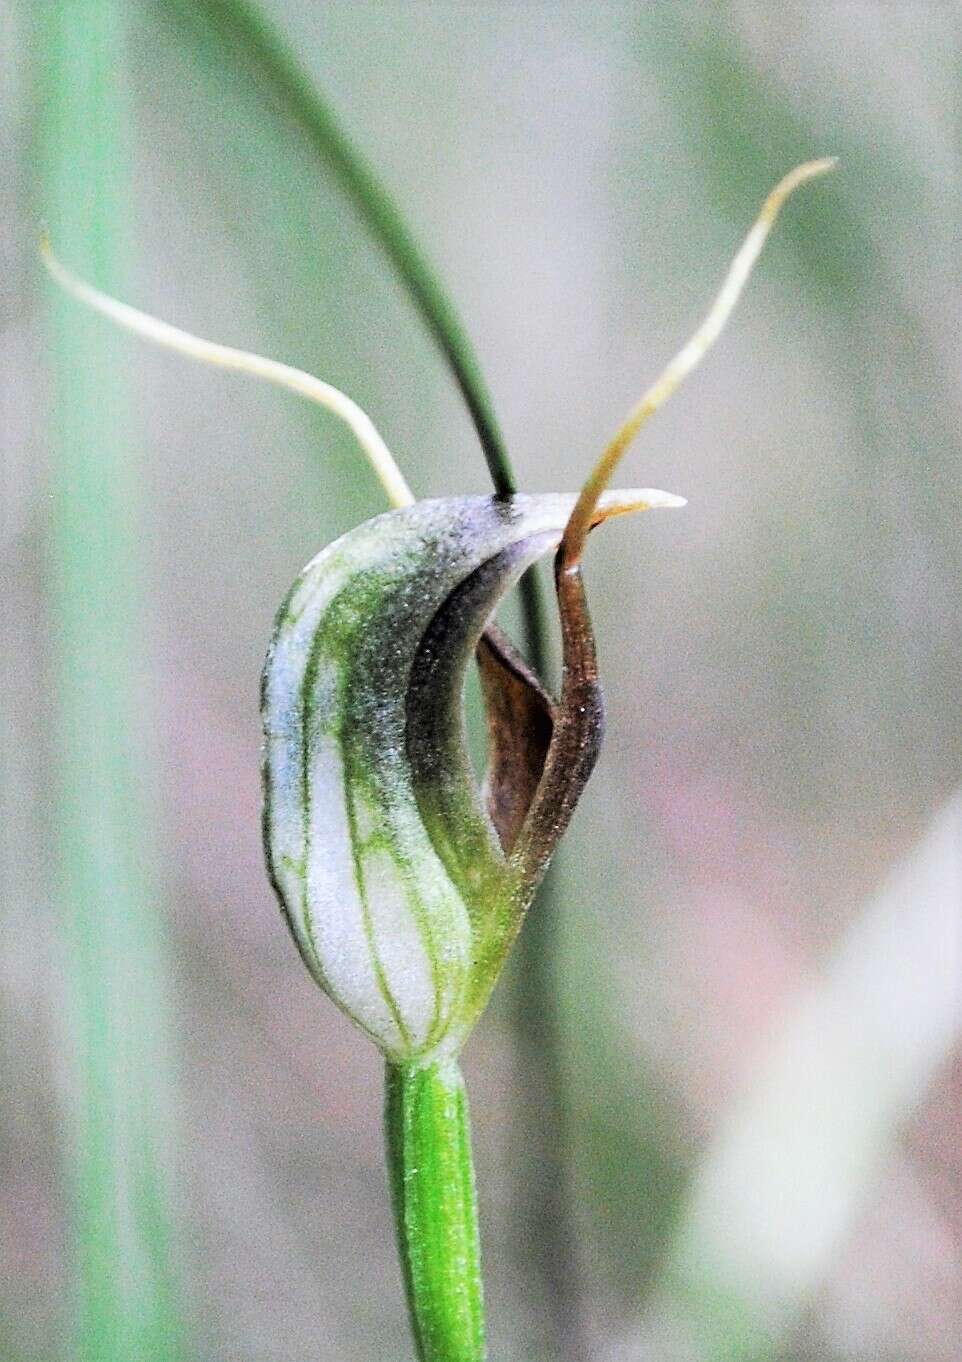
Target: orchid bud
(402,891)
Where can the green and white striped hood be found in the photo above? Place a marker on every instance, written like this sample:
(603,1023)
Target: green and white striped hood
(387,866)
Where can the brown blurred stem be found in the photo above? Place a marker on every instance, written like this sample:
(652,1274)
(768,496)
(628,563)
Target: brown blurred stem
(545,1233)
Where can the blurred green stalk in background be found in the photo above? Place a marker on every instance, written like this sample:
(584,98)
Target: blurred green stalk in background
(113,1029)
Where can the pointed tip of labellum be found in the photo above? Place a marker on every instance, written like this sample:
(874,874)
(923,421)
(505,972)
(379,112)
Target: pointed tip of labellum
(624,502)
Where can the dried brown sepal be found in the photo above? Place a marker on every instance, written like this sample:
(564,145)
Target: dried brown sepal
(521,721)
(579,720)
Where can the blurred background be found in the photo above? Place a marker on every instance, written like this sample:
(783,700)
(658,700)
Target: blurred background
(717,1097)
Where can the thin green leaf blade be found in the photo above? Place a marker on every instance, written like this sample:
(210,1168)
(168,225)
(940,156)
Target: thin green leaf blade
(114,1014)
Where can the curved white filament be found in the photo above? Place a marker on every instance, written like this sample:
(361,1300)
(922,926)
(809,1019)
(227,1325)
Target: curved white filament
(687,358)
(243,361)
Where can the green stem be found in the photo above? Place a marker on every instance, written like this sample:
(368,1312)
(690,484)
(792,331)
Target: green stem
(435,1211)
